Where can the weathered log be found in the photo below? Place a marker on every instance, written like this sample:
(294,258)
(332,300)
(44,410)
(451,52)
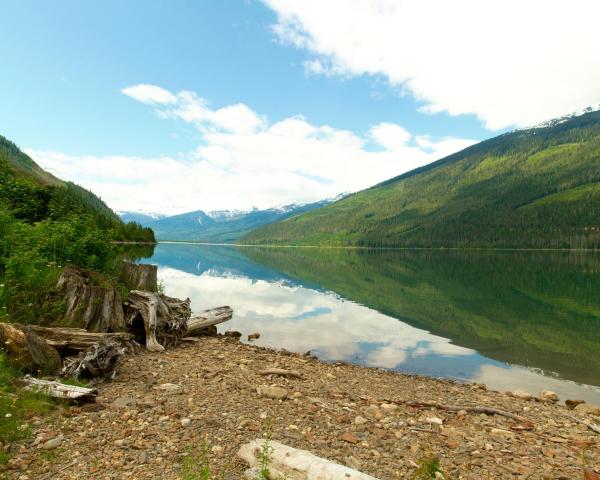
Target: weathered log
(91,301)
(208,318)
(70,341)
(26,349)
(296,464)
(99,361)
(139,276)
(58,390)
(156,320)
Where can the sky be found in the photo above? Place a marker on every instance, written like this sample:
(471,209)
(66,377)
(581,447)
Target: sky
(173,106)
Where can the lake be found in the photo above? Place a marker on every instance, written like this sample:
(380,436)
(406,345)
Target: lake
(510,320)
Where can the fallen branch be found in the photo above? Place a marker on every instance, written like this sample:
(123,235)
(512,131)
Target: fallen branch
(99,361)
(592,426)
(296,464)
(69,340)
(208,318)
(281,372)
(457,408)
(58,390)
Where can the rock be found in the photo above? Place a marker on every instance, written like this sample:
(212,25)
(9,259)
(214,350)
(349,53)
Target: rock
(121,443)
(217,449)
(548,396)
(253,473)
(276,393)
(164,418)
(587,409)
(353,462)
(143,458)
(170,388)
(499,432)
(349,437)
(360,420)
(53,443)
(122,402)
(186,422)
(573,403)
(436,420)
(254,336)
(233,334)
(523,395)
(373,411)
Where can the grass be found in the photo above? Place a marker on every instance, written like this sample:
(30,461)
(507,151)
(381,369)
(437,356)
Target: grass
(16,407)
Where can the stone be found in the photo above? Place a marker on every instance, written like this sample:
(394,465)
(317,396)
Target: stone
(548,396)
(573,403)
(254,336)
(276,393)
(186,422)
(436,420)
(170,388)
(360,420)
(373,411)
(122,402)
(233,334)
(217,449)
(499,432)
(164,418)
(143,458)
(353,462)
(349,437)
(53,443)
(523,395)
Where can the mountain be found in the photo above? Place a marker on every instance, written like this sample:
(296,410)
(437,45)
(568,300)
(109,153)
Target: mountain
(222,226)
(31,194)
(530,188)
(139,217)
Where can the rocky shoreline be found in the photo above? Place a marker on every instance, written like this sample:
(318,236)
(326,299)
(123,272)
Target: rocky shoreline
(222,393)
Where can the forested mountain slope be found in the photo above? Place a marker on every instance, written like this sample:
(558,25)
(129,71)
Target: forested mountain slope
(533,188)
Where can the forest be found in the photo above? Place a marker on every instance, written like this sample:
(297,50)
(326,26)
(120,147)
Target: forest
(533,188)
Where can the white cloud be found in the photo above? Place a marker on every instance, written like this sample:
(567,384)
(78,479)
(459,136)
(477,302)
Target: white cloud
(149,94)
(244,161)
(509,62)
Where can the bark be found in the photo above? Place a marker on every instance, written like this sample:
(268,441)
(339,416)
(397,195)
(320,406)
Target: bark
(91,301)
(26,349)
(156,320)
(99,362)
(296,464)
(200,321)
(139,276)
(58,390)
(69,341)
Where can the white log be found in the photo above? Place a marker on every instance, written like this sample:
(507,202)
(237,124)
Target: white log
(296,464)
(57,389)
(208,318)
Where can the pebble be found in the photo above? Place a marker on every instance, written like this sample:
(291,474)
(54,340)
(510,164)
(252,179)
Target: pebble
(186,422)
(170,388)
(53,443)
(276,393)
(548,396)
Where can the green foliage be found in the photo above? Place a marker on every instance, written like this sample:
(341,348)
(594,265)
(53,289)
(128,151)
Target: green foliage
(429,469)
(16,406)
(536,188)
(195,466)
(45,224)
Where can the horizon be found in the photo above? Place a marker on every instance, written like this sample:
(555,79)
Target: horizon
(173,108)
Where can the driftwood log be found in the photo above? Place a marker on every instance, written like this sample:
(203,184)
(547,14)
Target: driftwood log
(26,349)
(58,390)
(200,321)
(156,320)
(92,301)
(97,362)
(69,341)
(139,276)
(296,464)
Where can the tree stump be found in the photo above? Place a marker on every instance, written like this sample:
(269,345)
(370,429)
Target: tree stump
(28,350)
(92,301)
(139,276)
(156,320)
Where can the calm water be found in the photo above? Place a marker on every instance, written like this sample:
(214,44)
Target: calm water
(511,320)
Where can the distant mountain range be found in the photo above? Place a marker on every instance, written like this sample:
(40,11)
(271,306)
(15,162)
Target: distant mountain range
(221,226)
(532,188)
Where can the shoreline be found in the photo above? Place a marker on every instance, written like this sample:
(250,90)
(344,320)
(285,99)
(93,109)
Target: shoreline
(374,420)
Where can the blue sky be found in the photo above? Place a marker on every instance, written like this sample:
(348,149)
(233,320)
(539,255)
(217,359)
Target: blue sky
(337,105)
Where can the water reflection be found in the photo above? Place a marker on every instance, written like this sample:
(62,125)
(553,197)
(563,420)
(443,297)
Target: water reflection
(295,310)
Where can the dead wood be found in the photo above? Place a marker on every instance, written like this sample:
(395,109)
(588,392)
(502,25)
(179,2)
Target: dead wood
(58,390)
(98,362)
(91,301)
(281,372)
(70,341)
(156,320)
(200,321)
(26,349)
(457,408)
(139,276)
